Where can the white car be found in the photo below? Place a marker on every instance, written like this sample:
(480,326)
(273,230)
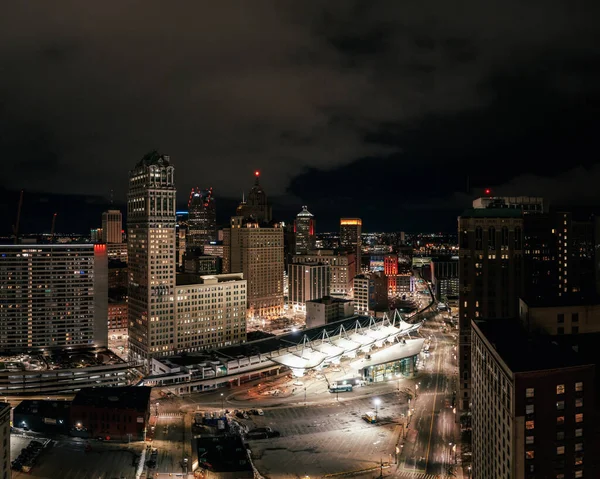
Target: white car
(260,412)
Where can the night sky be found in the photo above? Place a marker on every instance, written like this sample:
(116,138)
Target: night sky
(379,109)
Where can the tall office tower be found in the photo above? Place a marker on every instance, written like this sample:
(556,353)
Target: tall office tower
(350,238)
(490,274)
(151,220)
(5,464)
(304,227)
(256,250)
(211,311)
(307,282)
(53,296)
(112,226)
(533,405)
(257,205)
(202,218)
(342,269)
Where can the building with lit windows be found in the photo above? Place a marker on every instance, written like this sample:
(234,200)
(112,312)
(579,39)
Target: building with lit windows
(112,226)
(307,282)
(256,250)
(304,229)
(5,465)
(350,237)
(342,269)
(151,220)
(491,277)
(211,311)
(202,218)
(53,296)
(533,405)
(370,293)
(327,310)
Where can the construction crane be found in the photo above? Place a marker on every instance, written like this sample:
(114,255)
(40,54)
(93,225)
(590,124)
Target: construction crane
(52,228)
(16,225)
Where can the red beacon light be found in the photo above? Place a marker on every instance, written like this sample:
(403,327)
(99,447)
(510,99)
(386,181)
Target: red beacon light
(257,173)
(488,191)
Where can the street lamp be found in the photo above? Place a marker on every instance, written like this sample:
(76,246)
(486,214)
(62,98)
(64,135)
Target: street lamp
(221,401)
(377,402)
(469,471)
(416,390)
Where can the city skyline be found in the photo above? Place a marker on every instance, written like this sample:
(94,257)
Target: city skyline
(348,97)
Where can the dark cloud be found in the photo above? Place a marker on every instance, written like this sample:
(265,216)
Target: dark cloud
(376,103)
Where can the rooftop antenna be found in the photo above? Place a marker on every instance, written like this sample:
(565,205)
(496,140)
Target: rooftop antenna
(111,196)
(16,225)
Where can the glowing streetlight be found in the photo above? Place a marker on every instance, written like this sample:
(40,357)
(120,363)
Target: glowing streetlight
(221,401)
(377,402)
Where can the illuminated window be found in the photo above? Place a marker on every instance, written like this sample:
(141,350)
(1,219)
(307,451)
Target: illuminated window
(529,454)
(579,402)
(560,420)
(578,474)
(579,386)
(560,405)
(529,440)
(529,392)
(530,425)
(578,432)
(560,389)
(560,450)
(579,417)
(579,447)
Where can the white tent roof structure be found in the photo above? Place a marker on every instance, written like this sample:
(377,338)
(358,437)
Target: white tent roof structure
(309,354)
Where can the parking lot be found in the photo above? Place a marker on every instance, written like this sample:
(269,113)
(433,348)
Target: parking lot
(327,439)
(67,459)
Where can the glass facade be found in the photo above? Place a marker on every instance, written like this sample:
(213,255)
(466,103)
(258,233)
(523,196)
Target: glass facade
(406,367)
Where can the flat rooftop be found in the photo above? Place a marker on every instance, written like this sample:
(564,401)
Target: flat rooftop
(523,352)
(123,397)
(54,360)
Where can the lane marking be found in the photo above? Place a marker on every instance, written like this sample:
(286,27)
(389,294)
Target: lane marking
(433,412)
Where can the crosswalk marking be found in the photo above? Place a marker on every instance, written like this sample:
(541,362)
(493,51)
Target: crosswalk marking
(420,475)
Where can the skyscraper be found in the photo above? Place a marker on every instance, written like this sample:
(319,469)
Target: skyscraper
(490,274)
(257,205)
(202,218)
(112,226)
(53,296)
(350,237)
(304,227)
(256,249)
(151,219)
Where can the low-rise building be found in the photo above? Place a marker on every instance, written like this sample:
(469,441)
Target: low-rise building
(117,315)
(118,413)
(43,416)
(5,466)
(327,310)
